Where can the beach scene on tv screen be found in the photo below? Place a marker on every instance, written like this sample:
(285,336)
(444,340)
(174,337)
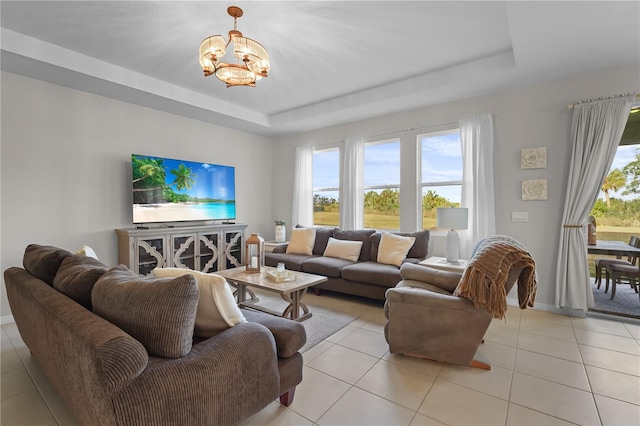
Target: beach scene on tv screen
(168,190)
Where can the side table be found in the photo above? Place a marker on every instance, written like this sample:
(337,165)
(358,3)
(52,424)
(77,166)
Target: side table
(441,263)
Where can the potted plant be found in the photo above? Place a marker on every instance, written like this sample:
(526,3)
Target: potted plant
(281,233)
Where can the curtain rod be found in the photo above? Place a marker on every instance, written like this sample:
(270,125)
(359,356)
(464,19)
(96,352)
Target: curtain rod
(570,106)
(398,131)
(414,128)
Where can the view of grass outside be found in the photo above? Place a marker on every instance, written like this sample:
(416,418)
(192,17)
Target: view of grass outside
(382,210)
(617,210)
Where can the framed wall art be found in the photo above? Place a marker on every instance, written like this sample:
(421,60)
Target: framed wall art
(534,189)
(533,158)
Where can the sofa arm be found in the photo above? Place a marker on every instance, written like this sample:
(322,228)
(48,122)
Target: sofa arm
(444,279)
(290,335)
(223,380)
(426,299)
(280,248)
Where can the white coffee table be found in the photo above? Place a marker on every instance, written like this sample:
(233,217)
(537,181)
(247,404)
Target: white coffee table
(441,263)
(291,291)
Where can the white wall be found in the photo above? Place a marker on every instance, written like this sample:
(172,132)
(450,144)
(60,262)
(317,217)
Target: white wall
(523,118)
(65,166)
(65,161)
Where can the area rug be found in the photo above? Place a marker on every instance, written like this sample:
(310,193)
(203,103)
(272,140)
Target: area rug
(625,303)
(323,323)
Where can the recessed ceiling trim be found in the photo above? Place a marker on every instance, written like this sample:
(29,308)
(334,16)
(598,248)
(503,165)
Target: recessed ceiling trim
(65,59)
(411,87)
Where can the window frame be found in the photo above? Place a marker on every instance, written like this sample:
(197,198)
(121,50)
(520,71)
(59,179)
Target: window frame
(421,184)
(366,188)
(339,146)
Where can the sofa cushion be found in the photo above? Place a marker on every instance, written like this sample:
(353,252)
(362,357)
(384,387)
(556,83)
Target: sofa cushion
(322,238)
(293,262)
(159,312)
(372,273)
(393,248)
(420,247)
(43,262)
(343,249)
(363,235)
(217,308)
(301,241)
(327,266)
(76,277)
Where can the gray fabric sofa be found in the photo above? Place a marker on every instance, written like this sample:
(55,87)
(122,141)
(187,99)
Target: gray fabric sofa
(108,377)
(366,277)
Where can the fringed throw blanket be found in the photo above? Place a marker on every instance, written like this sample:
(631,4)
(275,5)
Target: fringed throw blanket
(485,279)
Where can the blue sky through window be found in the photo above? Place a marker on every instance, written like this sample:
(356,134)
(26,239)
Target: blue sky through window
(382,164)
(442,162)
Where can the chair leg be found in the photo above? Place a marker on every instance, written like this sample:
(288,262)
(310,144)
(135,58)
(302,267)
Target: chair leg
(598,275)
(606,284)
(614,280)
(479,364)
(287,398)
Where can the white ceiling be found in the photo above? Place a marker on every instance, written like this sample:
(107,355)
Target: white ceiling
(331,62)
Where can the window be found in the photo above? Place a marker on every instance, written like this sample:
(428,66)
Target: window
(326,187)
(382,185)
(441,173)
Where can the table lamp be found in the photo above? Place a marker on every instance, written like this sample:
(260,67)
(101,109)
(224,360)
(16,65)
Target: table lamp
(452,218)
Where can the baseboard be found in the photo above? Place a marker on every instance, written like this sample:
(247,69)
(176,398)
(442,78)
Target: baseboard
(550,308)
(577,312)
(6,319)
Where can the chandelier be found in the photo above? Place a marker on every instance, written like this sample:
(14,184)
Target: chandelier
(252,58)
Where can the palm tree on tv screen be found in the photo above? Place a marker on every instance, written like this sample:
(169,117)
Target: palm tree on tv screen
(149,181)
(184,177)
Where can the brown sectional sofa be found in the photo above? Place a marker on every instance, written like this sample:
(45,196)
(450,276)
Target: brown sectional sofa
(366,277)
(108,377)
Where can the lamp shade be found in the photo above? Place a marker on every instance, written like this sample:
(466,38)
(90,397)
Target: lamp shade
(452,217)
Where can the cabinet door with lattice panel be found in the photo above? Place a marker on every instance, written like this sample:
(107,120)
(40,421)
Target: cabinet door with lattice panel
(233,252)
(150,254)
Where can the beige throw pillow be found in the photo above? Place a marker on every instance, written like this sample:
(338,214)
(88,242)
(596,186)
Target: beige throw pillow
(301,241)
(393,248)
(343,249)
(87,251)
(217,308)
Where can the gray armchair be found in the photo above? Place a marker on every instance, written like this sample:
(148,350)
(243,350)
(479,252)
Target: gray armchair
(428,317)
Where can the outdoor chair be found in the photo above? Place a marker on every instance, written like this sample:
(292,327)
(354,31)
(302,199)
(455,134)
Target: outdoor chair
(623,274)
(603,262)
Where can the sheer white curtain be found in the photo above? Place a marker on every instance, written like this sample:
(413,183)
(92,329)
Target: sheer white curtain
(476,135)
(302,211)
(596,131)
(352,194)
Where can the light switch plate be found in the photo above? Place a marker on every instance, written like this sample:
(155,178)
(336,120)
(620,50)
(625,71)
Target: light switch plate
(519,216)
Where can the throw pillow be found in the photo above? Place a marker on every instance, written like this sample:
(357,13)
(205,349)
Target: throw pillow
(77,276)
(87,251)
(43,261)
(343,249)
(301,241)
(159,312)
(393,248)
(217,308)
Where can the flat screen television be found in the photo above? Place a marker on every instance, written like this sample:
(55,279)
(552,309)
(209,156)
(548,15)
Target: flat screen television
(168,190)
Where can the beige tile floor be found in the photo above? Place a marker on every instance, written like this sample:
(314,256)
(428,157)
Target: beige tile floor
(547,369)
